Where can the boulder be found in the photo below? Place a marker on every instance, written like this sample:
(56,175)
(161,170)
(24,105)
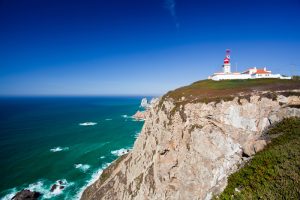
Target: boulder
(53,187)
(259,145)
(248,150)
(27,194)
(58,185)
(252,147)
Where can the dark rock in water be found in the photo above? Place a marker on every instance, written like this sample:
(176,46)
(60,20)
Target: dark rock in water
(58,184)
(27,195)
(53,187)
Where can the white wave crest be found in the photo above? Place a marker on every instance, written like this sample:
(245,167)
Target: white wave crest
(102,157)
(108,119)
(95,176)
(126,116)
(10,194)
(82,167)
(42,186)
(88,124)
(120,152)
(57,149)
(137,134)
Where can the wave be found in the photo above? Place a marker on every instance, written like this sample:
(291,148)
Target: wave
(132,118)
(95,176)
(82,167)
(108,119)
(102,157)
(10,194)
(120,152)
(42,186)
(126,116)
(138,120)
(137,134)
(57,149)
(88,124)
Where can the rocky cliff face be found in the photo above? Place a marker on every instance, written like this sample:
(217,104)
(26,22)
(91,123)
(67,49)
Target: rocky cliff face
(187,152)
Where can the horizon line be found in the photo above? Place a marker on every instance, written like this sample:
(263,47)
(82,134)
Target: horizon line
(79,95)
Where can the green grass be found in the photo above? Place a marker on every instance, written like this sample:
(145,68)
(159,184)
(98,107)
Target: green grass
(273,173)
(208,90)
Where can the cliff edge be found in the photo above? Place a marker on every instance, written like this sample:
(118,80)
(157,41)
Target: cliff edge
(195,137)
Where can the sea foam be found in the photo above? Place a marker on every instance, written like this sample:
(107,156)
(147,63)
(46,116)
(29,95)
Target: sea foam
(82,167)
(95,176)
(88,124)
(126,116)
(10,194)
(43,187)
(57,149)
(137,134)
(120,152)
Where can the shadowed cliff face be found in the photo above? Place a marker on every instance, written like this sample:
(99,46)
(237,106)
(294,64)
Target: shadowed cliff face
(187,151)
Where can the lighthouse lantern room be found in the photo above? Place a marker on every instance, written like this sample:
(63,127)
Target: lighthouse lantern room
(226,65)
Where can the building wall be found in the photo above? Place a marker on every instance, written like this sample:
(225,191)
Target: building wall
(246,76)
(269,76)
(230,76)
(227,68)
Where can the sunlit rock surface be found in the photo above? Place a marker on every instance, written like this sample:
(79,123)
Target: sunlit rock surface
(189,153)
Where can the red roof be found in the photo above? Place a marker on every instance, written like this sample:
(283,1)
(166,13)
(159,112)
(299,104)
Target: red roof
(261,71)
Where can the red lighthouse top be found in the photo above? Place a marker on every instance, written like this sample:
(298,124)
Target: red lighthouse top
(227,58)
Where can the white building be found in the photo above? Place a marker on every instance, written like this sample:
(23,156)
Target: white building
(251,73)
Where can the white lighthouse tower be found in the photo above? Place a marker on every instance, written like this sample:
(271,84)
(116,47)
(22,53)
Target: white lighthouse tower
(226,65)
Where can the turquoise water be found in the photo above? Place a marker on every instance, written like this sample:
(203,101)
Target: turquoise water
(44,140)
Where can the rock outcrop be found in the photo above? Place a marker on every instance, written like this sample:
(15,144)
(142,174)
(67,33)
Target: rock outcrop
(139,115)
(187,151)
(26,195)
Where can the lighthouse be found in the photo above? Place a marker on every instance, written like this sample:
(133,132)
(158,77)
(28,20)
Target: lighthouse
(250,73)
(226,65)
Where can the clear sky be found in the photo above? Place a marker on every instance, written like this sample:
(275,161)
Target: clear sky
(139,47)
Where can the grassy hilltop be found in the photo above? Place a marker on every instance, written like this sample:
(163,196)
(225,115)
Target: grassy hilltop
(209,90)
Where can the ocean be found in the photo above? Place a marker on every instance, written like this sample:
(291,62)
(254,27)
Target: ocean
(62,140)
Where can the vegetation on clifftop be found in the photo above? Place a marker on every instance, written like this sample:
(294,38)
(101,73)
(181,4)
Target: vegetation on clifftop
(273,173)
(209,90)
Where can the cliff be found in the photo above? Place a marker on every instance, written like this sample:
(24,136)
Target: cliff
(193,140)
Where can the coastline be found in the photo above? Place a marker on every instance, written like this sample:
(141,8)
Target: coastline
(95,176)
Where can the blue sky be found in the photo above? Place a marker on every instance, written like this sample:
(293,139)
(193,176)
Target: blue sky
(139,47)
